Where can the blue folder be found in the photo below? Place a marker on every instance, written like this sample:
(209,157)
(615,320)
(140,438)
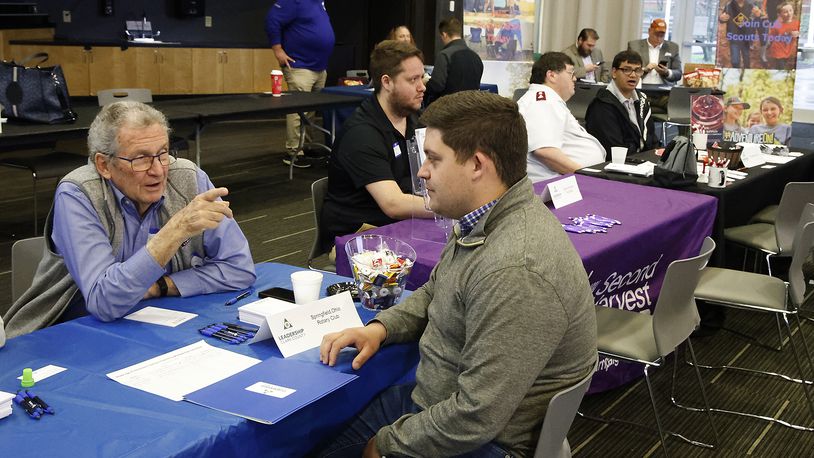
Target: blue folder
(310,381)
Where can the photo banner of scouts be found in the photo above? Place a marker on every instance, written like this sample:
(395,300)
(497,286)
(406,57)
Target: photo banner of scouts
(757,52)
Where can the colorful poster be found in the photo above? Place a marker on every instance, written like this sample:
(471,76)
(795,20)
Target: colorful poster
(758,105)
(502,33)
(757,51)
(758,34)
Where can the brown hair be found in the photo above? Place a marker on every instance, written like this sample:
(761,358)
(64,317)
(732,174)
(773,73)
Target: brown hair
(386,59)
(451,26)
(552,60)
(472,121)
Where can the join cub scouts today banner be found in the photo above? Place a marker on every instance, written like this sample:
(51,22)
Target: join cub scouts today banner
(757,50)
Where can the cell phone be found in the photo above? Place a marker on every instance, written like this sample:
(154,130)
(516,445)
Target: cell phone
(282,294)
(663,62)
(600,62)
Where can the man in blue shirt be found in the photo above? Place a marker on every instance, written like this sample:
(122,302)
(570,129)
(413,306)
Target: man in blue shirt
(302,38)
(133,224)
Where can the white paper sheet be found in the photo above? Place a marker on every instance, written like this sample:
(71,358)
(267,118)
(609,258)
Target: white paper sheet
(162,317)
(182,371)
(772,159)
(44,372)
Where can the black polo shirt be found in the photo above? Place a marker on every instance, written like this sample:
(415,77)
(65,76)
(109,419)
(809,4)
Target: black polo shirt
(368,149)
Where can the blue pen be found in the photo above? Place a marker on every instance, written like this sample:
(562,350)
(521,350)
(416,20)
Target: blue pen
(210,333)
(240,296)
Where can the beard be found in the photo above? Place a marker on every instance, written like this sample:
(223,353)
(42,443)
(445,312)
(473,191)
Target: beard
(402,105)
(583,52)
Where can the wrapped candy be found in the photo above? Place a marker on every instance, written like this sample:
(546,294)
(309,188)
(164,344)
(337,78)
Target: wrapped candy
(380,271)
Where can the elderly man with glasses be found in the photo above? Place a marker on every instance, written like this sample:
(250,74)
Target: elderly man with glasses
(557,143)
(134,223)
(620,114)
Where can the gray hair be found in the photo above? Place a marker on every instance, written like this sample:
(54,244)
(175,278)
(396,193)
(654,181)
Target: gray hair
(104,131)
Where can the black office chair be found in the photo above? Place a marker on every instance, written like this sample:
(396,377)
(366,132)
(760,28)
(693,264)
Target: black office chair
(583,96)
(679,107)
(519,92)
(318,190)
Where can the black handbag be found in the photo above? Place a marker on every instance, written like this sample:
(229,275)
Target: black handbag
(36,94)
(677,167)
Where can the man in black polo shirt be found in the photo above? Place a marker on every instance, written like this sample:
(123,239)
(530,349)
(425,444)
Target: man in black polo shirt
(369,176)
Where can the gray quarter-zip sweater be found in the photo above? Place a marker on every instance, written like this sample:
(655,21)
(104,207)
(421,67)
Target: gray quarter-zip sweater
(505,322)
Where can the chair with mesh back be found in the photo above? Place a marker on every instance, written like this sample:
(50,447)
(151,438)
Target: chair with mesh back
(775,240)
(562,408)
(319,189)
(649,339)
(769,295)
(678,107)
(583,96)
(25,257)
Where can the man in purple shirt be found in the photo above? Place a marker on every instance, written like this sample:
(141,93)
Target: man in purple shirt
(135,223)
(302,38)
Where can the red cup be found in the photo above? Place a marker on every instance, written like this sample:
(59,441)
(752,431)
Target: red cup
(276,83)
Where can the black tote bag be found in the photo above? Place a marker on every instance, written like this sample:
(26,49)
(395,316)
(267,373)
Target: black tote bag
(36,94)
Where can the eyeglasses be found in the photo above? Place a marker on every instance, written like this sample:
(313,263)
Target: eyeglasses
(638,71)
(570,73)
(143,163)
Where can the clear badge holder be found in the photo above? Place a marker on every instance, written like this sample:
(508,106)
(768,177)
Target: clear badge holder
(439,232)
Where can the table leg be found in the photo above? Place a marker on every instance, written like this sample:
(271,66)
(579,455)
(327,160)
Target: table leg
(198,144)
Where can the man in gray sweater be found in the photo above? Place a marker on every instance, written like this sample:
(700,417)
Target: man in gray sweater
(507,318)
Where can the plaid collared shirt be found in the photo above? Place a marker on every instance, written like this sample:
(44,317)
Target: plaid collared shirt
(471,219)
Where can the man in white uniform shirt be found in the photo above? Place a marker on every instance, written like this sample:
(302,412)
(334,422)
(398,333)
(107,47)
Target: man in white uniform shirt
(558,144)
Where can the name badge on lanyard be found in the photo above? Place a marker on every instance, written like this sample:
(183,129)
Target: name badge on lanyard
(396,149)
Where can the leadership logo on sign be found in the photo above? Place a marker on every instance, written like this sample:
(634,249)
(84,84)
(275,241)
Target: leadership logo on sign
(286,324)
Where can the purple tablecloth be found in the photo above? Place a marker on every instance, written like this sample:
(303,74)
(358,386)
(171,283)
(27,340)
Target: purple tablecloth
(625,266)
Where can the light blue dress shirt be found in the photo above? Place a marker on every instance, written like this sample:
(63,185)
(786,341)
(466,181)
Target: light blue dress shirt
(112,284)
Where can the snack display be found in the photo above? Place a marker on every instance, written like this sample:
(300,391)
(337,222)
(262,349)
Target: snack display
(703,77)
(380,267)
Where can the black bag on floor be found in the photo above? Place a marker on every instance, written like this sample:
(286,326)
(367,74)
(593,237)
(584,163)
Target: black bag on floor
(36,94)
(677,168)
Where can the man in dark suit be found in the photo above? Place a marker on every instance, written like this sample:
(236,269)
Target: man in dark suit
(662,64)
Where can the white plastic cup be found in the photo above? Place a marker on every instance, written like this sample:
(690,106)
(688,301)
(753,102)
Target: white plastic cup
(306,285)
(618,154)
(716,177)
(699,140)
(276,83)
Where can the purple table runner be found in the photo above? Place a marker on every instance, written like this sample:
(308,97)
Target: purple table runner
(626,265)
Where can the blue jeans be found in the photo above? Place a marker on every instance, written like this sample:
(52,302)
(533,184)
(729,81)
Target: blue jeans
(738,49)
(382,411)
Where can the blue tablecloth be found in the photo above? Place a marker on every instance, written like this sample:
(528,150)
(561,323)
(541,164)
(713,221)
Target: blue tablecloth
(96,416)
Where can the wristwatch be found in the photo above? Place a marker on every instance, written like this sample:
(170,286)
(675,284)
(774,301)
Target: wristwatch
(162,286)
